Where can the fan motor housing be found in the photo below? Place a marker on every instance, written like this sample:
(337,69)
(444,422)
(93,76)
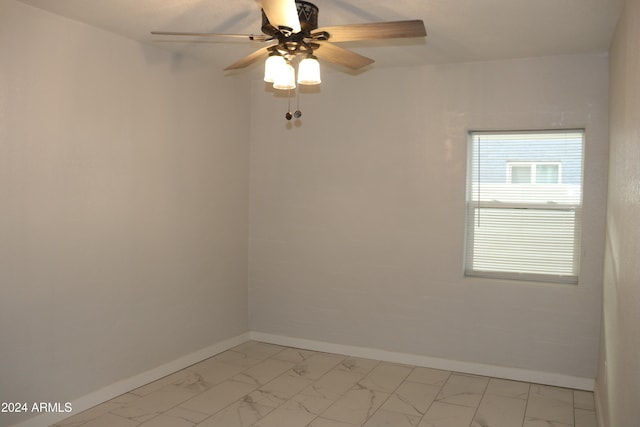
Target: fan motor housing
(307,13)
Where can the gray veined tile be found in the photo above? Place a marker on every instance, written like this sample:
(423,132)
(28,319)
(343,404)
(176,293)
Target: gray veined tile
(193,382)
(551,404)
(535,422)
(161,383)
(236,358)
(153,404)
(499,411)
(123,399)
(463,390)
(411,398)
(187,380)
(258,350)
(263,372)
(110,420)
(317,365)
(585,418)
(507,388)
(167,421)
(294,355)
(97,411)
(384,418)
(314,404)
(266,398)
(333,384)
(447,415)
(187,415)
(218,397)
(288,415)
(385,377)
(429,376)
(357,365)
(242,413)
(583,400)
(281,389)
(550,392)
(325,422)
(212,371)
(356,406)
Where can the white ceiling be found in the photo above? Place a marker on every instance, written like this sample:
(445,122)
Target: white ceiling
(458,30)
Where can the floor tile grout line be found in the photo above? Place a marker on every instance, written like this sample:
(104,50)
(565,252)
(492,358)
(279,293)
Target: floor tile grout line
(436,396)
(440,387)
(484,392)
(355,385)
(199,393)
(365,376)
(231,379)
(526,406)
(388,397)
(343,358)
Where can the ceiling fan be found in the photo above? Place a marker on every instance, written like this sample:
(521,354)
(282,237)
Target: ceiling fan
(291,29)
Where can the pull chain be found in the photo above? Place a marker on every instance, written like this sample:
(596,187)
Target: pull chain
(288,116)
(298,113)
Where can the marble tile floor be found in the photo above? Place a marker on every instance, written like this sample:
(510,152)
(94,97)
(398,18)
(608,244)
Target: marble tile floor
(264,385)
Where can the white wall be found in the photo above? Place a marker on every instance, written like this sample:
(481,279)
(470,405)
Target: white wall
(357,214)
(618,386)
(124,200)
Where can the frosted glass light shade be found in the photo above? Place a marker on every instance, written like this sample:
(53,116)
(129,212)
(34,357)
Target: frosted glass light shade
(309,71)
(286,78)
(272,67)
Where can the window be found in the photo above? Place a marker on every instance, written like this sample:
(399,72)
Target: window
(533,173)
(524,205)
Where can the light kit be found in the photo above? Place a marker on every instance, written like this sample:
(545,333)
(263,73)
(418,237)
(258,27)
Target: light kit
(290,28)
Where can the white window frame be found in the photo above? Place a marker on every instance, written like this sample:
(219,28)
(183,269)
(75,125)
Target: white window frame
(534,170)
(557,209)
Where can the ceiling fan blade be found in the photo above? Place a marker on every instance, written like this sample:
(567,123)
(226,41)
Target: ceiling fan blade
(375,30)
(282,13)
(249,59)
(342,56)
(252,37)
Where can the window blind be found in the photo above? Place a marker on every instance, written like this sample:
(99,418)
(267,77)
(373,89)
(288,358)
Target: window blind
(524,205)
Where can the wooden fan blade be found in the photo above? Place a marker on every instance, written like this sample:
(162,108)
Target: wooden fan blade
(374,31)
(249,59)
(342,56)
(282,13)
(258,38)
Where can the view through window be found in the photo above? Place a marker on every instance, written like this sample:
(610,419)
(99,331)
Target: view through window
(524,205)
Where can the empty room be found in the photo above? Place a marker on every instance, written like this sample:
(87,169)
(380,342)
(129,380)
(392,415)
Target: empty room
(336,213)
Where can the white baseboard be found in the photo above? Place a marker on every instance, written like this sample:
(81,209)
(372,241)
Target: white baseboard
(538,377)
(109,392)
